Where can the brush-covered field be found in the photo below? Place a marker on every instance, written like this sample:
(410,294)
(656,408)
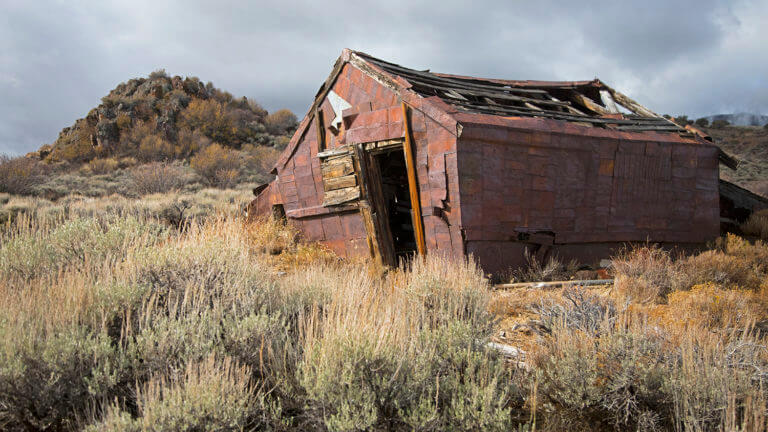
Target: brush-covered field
(118,315)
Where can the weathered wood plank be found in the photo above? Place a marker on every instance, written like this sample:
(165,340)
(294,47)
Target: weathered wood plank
(340,196)
(337,167)
(588,103)
(334,152)
(556,284)
(608,102)
(630,104)
(333,183)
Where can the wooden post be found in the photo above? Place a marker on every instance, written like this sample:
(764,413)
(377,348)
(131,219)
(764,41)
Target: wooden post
(320,130)
(413,184)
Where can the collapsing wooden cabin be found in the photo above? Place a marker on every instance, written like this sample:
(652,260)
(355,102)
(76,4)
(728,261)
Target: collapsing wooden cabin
(391,161)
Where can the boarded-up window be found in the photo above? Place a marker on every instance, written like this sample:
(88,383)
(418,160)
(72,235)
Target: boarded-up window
(339,179)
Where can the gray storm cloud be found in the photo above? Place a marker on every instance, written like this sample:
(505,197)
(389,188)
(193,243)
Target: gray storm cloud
(57,59)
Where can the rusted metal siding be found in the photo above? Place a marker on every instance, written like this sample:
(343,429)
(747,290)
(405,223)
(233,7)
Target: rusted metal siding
(582,185)
(556,176)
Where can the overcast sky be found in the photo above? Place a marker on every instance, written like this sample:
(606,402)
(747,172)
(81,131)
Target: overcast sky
(58,58)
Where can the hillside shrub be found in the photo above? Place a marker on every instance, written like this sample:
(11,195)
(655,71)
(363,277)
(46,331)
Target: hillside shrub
(19,175)
(81,243)
(189,143)
(103,165)
(77,146)
(281,122)
(210,118)
(157,177)
(123,122)
(216,164)
(155,148)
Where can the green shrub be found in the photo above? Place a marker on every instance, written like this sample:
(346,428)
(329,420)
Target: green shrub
(48,379)
(444,380)
(614,381)
(78,243)
(211,395)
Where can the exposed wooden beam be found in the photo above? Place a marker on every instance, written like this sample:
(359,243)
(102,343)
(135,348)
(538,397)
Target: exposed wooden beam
(319,124)
(413,184)
(630,104)
(589,103)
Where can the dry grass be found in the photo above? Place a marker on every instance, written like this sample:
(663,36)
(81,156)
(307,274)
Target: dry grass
(120,323)
(757,225)
(112,319)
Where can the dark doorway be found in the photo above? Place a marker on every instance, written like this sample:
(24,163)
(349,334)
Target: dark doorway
(395,200)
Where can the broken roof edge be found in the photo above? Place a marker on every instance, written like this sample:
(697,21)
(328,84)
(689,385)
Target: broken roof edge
(474,121)
(415,101)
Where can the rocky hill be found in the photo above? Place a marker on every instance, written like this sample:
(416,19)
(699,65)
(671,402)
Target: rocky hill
(162,117)
(750,146)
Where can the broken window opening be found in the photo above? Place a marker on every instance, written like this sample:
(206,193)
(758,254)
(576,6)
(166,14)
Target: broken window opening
(278,212)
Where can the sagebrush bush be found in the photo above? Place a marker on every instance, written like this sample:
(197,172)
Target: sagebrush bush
(78,243)
(645,274)
(614,380)
(632,376)
(212,394)
(158,177)
(19,175)
(49,377)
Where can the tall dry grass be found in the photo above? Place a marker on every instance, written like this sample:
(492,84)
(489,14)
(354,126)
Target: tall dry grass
(113,319)
(115,323)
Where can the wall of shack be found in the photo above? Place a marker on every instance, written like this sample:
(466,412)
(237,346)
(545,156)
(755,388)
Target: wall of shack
(591,188)
(375,115)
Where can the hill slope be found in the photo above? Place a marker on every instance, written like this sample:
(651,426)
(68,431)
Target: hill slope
(750,146)
(162,117)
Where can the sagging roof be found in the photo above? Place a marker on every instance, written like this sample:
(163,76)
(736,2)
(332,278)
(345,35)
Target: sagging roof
(586,102)
(590,102)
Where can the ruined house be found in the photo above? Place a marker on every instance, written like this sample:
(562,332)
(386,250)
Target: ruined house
(391,161)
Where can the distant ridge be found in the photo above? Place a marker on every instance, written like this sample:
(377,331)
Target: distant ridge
(741,119)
